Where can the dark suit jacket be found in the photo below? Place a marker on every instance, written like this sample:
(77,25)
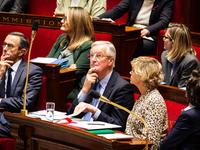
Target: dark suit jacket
(118,91)
(185,133)
(15,102)
(182,70)
(14,6)
(159,19)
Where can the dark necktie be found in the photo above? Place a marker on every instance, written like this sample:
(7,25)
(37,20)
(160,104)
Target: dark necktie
(94,103)
(9,82)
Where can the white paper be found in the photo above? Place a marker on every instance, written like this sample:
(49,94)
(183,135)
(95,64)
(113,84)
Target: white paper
(93,125)
(116,136)
(42,115)
(43,60)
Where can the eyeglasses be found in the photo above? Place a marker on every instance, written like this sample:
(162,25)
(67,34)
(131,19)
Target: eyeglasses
(97,56)
(165,37)
(4,44)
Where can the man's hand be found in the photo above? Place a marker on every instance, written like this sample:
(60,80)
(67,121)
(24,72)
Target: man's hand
(144,32)
(89,80)
(89,108)
(4,63)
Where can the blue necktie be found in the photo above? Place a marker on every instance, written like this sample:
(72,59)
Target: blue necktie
(94,103)
(9,82)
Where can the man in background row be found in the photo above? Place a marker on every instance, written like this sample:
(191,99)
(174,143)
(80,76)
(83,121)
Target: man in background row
(14,6)
(13,70)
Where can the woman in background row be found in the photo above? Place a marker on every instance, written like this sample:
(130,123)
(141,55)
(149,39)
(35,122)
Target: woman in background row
(94,7)
(147,74)
(179,59)
(185,133)
(75,44)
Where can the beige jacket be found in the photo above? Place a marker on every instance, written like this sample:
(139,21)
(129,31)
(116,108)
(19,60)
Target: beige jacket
(94,7)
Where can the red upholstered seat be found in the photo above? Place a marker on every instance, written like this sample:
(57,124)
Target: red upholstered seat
(7,144)
(197,49)
(173,111)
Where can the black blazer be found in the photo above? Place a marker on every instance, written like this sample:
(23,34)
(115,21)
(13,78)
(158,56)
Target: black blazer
(182,70)
(14,6)
(185,133)
(15,102)
(118,91)
(159,19)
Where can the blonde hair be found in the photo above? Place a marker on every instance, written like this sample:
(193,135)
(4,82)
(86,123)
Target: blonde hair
(182,44)
(149,70)
(80,22)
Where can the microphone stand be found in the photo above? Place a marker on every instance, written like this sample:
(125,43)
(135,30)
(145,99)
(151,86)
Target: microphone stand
(24,111)
(104,99)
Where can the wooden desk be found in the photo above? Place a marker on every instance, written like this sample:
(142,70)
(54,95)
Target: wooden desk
(169,93)
(60,82)
(37,134)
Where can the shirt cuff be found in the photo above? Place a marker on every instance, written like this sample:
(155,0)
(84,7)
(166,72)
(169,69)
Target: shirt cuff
(82,97)
(96,115)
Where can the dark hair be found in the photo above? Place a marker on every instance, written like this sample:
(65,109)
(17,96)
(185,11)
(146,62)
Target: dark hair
(193,88)
(23,43)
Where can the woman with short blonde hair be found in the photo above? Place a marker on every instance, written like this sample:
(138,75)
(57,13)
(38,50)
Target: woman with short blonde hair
(147,74)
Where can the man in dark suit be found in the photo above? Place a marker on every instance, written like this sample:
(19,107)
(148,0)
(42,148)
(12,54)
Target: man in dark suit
(160,14)
(111,85)
(14,6)
(12,84)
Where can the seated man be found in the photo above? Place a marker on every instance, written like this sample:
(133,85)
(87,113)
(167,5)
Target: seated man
(150,15)
(109,83)
(13,69)
(14,6)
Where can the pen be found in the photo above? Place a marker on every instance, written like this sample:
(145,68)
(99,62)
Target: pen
(95,124)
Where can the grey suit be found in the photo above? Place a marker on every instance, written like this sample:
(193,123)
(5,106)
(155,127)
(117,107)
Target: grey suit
(182,69)
(14,6)
(15,102)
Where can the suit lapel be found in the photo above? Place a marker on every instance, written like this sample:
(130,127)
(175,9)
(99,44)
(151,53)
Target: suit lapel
(18,75)
(3,86)
(109,88)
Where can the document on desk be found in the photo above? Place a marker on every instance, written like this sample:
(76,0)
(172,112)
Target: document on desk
(93,125)
(114,136)
(41,114)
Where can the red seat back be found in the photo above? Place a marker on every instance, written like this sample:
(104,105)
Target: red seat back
(7,144)
(41,104)
(113,3)
(42,7)
(173,111)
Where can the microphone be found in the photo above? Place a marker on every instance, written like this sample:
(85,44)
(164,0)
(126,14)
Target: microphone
(34,30)
(97,95)
(33,34)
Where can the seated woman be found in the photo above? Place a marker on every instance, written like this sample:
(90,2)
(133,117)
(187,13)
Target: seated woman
(94,7)
(75,44)
(146,74)
(185,133)
(179,59)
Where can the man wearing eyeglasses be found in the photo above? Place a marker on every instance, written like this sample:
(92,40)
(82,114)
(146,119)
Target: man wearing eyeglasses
(13,69)
(105,80)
